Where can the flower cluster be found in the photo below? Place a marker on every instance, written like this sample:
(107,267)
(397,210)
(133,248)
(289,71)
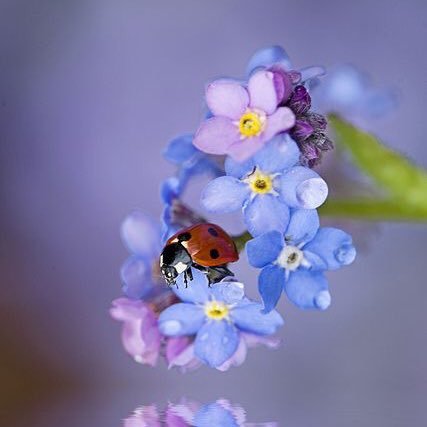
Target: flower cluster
(190,413)
(258,143)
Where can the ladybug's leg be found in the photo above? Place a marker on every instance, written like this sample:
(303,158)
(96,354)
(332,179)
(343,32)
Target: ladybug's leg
(216,274)
(190,274)
(185,278)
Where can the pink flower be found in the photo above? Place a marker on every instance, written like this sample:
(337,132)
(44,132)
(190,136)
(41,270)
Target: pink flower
(140,335)
(244,118)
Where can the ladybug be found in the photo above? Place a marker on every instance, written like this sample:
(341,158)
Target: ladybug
(205,246)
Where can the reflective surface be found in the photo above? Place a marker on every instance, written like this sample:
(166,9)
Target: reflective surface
(90,91)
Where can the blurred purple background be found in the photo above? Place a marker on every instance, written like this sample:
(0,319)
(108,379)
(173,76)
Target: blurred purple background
(90,92)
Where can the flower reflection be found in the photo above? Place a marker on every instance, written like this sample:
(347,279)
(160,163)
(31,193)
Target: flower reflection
(220,413)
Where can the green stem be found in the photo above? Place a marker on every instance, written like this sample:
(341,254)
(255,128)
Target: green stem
(241,239)
(373,210)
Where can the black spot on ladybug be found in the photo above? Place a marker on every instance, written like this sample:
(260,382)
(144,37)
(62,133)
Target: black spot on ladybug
(212,232)
(214,253)
(184,237)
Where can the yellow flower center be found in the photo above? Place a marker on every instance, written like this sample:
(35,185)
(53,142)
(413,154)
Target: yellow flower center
(260,182)
(251,124)
(216,310)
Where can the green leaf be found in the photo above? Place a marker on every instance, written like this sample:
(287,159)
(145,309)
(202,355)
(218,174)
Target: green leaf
(404,182)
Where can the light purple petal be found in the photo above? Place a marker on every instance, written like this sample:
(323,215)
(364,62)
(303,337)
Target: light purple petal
(141,234)
(216,342)
(303,188)
(181,319)
(307,289)
(262,91)
(237,358)
(280,121)
(241,150)
(136,277)
(256,340)
(140,335)
(196,291)
(227,98)
(264,249)
(215,135)
(224,194)
(303,226)
(280,154)
(270,286)
(186,360)
(334,246)
(250,317)
(266,213)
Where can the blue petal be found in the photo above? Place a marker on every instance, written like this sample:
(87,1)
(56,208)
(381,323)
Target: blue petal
(180,149)
(141,234)
(170,189)
(264,249)
(270,285)
(312,72)
(249,317)
(303,226)
(266,213)
(229,292)
(307,289)
(214,414)
(265,58)
(216,342)
(280,154)
(334,246)
(303,188)
(238,169)
(315,262)
(197,290)
(224,194)
(181,319)
(136,277)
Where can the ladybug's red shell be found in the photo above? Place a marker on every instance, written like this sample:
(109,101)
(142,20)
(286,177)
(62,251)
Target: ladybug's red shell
(208,244)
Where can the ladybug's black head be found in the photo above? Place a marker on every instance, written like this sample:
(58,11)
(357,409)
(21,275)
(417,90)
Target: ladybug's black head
(174,260)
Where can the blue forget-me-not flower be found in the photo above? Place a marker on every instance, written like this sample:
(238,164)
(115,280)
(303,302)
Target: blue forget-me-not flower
(295,262)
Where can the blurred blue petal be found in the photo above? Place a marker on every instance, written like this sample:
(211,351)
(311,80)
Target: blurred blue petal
(265,58)
(303,226)
(307,289)
(197,290)
(180,149)
(266,213)
(303,188)
(224,194)
(264,249)
(270,286)
(334,246)
(170,189)
(136,277)
(250,317)
(216,342)
(181,319)
(349,93)
(312,72)
(141,234)
(214,415)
